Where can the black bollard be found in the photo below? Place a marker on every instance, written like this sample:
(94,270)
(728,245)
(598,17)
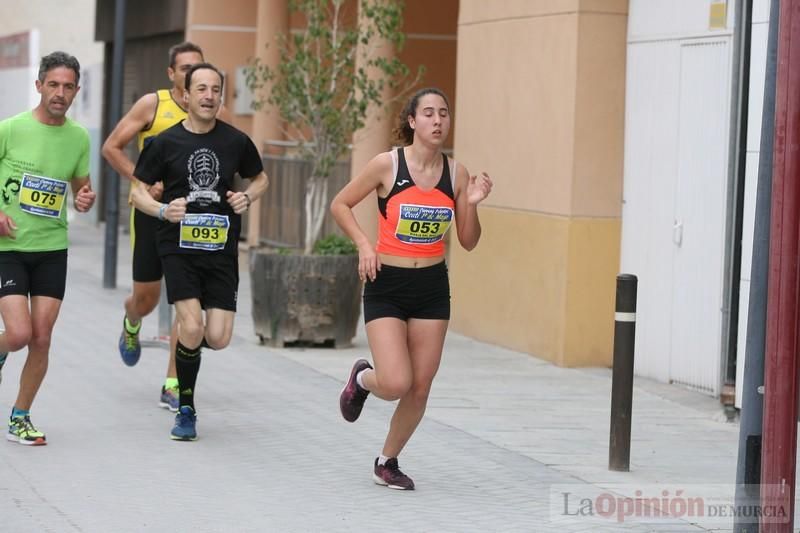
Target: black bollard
(619,447)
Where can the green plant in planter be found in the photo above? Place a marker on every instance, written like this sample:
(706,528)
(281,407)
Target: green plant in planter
(335,245)
(329,76)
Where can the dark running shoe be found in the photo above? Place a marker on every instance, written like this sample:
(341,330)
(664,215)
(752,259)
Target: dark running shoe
(170,399)
(185,425)
(389,475)
(352,398)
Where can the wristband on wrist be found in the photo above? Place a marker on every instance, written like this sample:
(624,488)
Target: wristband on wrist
(247,197)
(161,211)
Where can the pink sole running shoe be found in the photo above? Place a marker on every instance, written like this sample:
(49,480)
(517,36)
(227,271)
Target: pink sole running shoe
(389,475)
(352,397)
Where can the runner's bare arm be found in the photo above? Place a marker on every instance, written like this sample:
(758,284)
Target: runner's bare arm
(7,226)
(137,119)
(240,201)
(144,202)
(470,191)
(373,178)
(82,193)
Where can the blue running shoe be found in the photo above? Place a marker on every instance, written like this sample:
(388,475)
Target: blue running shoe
(169,399)
(185,422)
(129,347)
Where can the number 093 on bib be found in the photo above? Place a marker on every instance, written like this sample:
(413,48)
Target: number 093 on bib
(204,231)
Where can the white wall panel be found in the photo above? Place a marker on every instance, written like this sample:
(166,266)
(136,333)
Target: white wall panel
(15,93)
(741,341)
(700,214)
(662,19)
(676,170)
(758,65)
(758,61)
(748,226)
(760,11)
(648,196)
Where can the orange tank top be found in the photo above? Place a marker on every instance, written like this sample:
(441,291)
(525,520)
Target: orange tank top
(413,221)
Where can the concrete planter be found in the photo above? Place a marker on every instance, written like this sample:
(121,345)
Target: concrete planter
(305,298)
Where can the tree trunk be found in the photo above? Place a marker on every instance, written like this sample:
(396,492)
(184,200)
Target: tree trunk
(316,200)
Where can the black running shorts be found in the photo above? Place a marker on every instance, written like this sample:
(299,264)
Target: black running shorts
(408,293)
(146,263)
(212,278)
(33,273)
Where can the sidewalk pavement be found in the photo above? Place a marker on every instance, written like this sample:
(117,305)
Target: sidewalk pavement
(504,437)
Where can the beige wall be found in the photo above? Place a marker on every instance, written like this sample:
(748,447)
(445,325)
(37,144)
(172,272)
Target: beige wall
(503,292)
(227,36)
(272,20)
(599,116)
(430,29)
(538,93)
(540,107)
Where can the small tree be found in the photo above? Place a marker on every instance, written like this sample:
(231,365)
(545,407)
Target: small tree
(323,90)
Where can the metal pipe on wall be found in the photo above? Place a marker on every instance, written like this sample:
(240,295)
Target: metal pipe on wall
(748,471)
(112,184)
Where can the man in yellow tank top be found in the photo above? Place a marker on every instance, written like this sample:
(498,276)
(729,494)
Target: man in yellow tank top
(149,116)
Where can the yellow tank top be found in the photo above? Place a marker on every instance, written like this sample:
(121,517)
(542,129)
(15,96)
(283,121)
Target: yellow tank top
(168,113)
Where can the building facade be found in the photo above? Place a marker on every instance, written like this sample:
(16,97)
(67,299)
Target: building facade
(27,34)
(607,126)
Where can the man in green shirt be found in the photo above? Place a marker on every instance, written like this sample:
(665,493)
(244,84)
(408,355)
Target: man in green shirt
(41,153)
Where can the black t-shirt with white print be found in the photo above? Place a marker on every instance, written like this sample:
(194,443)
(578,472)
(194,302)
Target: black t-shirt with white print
(199,167)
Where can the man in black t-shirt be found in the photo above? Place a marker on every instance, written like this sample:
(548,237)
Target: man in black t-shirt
(200,224)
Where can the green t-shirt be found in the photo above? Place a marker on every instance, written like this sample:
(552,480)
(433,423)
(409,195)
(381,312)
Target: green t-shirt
(37,162)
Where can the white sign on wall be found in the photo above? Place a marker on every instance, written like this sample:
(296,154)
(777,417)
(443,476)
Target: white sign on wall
(19,55)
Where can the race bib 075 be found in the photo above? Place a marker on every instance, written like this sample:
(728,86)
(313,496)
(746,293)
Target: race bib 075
(42,196)
(420,224)
(204,231)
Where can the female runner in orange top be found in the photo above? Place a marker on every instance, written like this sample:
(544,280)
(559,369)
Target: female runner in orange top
(421,192)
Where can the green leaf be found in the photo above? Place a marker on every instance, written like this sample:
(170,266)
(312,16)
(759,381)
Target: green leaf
(317,88)
(335,245)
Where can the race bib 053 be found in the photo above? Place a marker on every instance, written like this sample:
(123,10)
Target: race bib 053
(419,224)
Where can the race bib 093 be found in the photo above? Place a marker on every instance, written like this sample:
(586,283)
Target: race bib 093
(204,231)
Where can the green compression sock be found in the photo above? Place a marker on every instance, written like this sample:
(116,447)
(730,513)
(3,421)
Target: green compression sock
(133,330)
